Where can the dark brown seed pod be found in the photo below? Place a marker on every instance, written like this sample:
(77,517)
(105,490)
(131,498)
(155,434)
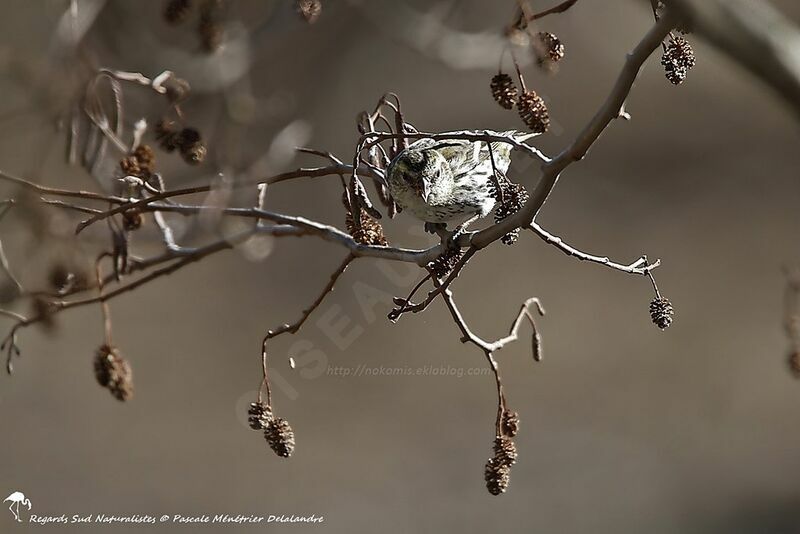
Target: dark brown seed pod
(209,29)
(177,11)
(548,48)
(190,143)
(504,91)
(497,476)
(514,196)
(259,415)
(146,158)
(113,372)
(533,111)
(370,231)
(132,219)
(188,137)
(167,135)
(130,166)
(505,451)
(510,423)
(445,262)
(794,363)
(280,437)
(176,89)
(661,312)
(310,10)
(678,59)
(195,154)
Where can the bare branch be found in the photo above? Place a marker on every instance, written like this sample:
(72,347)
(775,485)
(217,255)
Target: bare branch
(560,8)
(138,204)
(640,266)
(610,110)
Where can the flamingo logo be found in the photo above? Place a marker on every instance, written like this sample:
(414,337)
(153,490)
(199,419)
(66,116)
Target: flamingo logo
(16,499)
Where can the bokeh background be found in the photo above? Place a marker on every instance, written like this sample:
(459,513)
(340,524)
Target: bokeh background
(624,428)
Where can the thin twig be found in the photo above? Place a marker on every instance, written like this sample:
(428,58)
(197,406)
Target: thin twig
(640,266)
(295,326)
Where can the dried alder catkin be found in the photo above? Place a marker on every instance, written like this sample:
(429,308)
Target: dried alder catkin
(513,198)
(445,262)
(369,232)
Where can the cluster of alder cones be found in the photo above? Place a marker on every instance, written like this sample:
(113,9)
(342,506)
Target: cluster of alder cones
(277,432)
(368,231)
(497,471)
(210,32)
(186,140)
(210,29)
(549,50)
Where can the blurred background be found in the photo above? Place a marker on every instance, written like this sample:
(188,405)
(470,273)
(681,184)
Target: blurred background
(624,428)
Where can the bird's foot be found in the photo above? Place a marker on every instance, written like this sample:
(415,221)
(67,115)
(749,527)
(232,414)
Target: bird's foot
(435,228)
(452,240)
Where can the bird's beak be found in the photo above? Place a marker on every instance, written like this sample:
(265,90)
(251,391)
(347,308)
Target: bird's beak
(426,191)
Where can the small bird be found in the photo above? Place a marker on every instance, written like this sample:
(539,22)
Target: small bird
(439,181)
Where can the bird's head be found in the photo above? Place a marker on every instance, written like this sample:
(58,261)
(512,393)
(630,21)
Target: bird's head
(418,170)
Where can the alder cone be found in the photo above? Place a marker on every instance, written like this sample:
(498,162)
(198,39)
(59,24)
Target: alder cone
(533,112)
(503,90)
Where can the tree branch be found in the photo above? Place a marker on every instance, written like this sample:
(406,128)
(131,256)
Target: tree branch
(640,266)
(609,111)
